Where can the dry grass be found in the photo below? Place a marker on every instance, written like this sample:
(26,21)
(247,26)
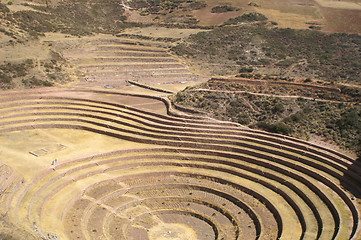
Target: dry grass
(290,20)
(161,32)
(348,5)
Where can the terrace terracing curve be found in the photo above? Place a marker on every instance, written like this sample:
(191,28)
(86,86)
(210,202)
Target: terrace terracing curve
(165,174)
(112,61)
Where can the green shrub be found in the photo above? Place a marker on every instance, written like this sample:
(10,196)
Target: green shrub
(296,117)
(4,78)
(350,120)
(247,17)
(168,4)
(253,4)
(224,8)
(246,70)
(245,75)
(243,118)
(195,6)
(286,62)
(36,82)
(278,127)
(278,108)
(264,61)
(352,91)
(4,8)
(16,69)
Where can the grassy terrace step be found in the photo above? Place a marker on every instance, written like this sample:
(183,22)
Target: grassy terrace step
(97,162)
(125,59)
(276,145)
(132,42)
(54,119)
(158,70)
(210,208)
(123,51)
(130,48)
(142,75)
(159,157)
(122,81)
(109,108)
(298,175)
(135,66)
(184,118)
(165,202)
(104,123)
(114,114)
(152,79)
(93,53)
(280,139)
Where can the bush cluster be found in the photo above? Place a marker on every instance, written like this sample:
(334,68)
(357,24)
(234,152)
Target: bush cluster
(165,6)
(224,8)
(246,17)
(278,127)
(81,17)
(4,8)
(331,57)
(339,122)
(36,82)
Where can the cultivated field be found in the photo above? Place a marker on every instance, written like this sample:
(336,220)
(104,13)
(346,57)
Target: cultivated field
(102,164)
(112,61)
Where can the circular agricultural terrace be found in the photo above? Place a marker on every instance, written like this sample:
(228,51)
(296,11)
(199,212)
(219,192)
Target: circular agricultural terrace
(165,174)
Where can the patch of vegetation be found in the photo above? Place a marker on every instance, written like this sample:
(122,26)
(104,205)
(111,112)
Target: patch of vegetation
(135,36)
(181,26)
(278,127)
(181,19)
(81,17)
(194,6)
(5,81)
(4,8)
(85,17)
(36,23)
(254,4)
(297,117)
(9,70)
(354,92)
(224,8)
(31,74)
(246,69)
(313,54)
(165,6)
(286,62)
(313,27)
(247,17)
(36,82)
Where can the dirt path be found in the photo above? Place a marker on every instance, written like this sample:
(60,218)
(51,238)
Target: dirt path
(273,95)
